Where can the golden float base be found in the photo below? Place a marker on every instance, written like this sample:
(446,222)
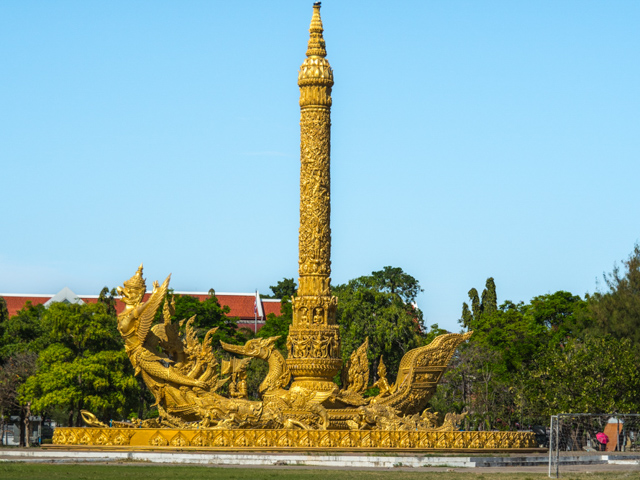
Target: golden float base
(353,440)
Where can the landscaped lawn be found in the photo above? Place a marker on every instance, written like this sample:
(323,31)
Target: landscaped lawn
(40,471)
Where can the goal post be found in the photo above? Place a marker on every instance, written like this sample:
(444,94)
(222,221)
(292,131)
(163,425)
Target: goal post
(585,434)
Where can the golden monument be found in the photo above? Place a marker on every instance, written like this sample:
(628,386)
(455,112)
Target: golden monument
(300,406)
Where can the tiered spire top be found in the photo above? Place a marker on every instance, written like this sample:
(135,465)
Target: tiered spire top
(316,47)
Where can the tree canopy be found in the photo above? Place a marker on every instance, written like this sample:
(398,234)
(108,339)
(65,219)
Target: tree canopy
(556,353)
(84,364)
(598,374)
(616,311)
(380,306)
(284,289)
(24,332)
(209,314)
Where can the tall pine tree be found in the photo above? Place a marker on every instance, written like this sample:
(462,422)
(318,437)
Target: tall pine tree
(486,305)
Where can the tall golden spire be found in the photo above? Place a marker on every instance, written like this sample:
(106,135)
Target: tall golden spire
(316,46)
(314,340)
(316,77)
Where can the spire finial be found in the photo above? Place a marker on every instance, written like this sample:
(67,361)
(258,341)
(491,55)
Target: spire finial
(316,47)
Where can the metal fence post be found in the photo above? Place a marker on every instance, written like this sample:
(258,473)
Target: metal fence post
(618,434)
(553,472)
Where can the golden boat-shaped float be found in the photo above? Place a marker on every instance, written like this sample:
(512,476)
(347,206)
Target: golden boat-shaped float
(300,406)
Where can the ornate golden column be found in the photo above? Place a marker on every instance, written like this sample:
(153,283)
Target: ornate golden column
(314,339)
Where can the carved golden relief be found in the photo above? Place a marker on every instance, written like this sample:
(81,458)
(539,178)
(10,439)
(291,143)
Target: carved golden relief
(184,376)
(315,208)
(300,406)
(307,343)
(302,439)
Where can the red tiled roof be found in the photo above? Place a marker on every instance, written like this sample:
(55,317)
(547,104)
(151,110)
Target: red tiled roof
(17,303)
(272,306)
(240,304)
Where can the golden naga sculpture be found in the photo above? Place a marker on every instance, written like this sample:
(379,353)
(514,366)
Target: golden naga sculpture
(184,377)
(298,392)
(299,405)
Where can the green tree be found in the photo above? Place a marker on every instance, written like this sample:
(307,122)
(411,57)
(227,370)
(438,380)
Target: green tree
(479,307)
(101,382)
(599,374)
(554,318)
(391,280)
(519,331)
(488,375)
(380,306)
(209,314)
(24,332)
(489,297)
(4,316)
(83,366)
(617,310)
(474,383)
(81,327)
(20,336)
(285,288)
(505,331)
(108,297)
(13,374)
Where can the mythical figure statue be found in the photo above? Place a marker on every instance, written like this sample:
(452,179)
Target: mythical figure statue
(134,324)
(184,376)
(180,372)
(382,383)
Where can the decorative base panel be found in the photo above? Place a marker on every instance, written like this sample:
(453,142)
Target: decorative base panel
(291,439)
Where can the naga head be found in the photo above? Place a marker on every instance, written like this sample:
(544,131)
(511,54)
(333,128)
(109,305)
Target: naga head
(133,290)
(256,347)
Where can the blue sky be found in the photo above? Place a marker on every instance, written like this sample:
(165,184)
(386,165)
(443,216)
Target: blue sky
(470,139)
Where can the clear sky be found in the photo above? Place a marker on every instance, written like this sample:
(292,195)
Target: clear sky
(470,139)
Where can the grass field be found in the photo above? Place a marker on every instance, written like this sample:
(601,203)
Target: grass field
(31,471)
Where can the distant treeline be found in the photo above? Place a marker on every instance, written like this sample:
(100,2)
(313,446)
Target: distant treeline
(557,353)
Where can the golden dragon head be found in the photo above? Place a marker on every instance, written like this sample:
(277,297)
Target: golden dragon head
(256,347)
